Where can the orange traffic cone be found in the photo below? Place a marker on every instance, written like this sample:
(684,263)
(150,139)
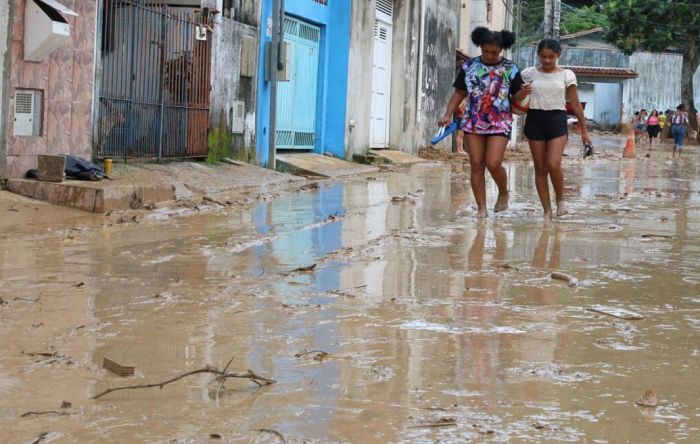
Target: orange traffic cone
(630,147)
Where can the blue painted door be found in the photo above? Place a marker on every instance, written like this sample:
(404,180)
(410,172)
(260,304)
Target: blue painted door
(296,98)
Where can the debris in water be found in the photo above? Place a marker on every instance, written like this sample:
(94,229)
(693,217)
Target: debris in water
(442,422)
(66,405)
(49,412)
(621,313)
(649,399)
(116,368)
(572,281)
(222,375)
(215,436)
(273,432)
(42,436)
(661,236)
(316,355)
(79,285)
(308,269)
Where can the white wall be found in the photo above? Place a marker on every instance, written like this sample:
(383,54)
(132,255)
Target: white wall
(608,103)
(654,88)
(586,94)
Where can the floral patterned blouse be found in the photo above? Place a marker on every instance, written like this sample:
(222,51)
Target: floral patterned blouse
(488,88)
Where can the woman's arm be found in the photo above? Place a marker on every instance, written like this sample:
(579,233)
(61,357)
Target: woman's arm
(572,93)
(454,102)
(525,91)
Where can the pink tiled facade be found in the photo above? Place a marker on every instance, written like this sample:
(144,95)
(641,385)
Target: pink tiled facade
(66,79)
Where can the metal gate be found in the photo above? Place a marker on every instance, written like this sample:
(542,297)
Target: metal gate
(155,77)
(296,99)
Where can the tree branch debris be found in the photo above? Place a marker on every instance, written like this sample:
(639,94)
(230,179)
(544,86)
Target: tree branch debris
(222,376)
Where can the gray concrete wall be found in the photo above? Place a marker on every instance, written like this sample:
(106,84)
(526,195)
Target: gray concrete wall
(4,84)
(227,83)
(654,88)
(579,57)
(414,107)
(360,77)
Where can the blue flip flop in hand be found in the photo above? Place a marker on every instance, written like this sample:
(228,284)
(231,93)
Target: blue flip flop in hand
(443,132)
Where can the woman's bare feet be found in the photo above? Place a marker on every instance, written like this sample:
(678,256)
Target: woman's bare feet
(501,203)
(481,213)
(561,208)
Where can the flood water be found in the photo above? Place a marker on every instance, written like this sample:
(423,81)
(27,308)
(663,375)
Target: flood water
(437,327)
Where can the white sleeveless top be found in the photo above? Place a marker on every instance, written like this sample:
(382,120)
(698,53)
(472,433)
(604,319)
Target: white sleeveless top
(548,89)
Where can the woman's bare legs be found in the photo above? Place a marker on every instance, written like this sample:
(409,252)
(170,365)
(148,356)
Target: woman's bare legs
(487,152)
(546,156)
(555,151)
(495,150)
(477,161)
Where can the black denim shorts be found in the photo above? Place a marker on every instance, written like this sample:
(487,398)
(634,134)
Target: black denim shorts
(545,125)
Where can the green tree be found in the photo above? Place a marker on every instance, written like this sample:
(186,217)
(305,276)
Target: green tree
(659,25)
(581,19)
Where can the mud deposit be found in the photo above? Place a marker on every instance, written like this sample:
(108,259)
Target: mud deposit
(382,308)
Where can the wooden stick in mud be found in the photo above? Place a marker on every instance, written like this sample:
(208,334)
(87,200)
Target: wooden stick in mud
(572,281)
(260,380)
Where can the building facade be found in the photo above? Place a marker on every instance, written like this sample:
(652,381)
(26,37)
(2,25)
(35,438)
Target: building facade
(47,87)
(401,72)
(312,92)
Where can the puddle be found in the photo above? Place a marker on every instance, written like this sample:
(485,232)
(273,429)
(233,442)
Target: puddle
(411,311)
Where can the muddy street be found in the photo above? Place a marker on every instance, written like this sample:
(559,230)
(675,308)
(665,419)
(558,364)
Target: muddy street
(383,309)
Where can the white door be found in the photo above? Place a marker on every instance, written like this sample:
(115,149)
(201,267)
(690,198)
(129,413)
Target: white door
(381,76)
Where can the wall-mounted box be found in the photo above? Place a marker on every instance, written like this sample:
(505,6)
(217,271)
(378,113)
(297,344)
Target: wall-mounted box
(284,74)
(27,113)
(238,117)
(248,56)
(45,28)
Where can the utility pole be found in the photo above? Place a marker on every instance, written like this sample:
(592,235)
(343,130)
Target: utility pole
(277,29)
(552,18)
(556,19)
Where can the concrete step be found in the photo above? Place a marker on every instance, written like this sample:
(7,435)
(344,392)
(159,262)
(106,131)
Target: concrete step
(97,197)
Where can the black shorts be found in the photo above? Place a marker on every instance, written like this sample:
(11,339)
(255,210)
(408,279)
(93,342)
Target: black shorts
(653,130)
(545,125)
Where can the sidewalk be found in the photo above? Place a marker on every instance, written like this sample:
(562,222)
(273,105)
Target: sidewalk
(135,186)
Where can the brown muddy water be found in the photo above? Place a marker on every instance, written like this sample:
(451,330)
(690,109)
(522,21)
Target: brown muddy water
(418,324)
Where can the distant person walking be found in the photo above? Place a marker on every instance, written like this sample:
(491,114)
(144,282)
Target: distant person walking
(546,125)
(653,127)
(679,125)
(487,82)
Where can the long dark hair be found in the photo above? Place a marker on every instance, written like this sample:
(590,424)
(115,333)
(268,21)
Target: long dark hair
(484,36)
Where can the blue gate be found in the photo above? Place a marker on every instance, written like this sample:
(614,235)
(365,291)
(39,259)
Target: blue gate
(296,99)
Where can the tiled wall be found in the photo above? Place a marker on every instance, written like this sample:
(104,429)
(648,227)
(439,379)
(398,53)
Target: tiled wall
(66,79)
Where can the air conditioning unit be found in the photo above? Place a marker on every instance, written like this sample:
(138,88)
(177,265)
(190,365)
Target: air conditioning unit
(45,28)
(238,117)
(27,110)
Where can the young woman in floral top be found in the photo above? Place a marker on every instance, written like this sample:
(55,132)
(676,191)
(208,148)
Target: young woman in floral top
(489,83)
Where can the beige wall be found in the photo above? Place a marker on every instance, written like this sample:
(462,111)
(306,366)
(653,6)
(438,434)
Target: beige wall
(490,13)
(66,79)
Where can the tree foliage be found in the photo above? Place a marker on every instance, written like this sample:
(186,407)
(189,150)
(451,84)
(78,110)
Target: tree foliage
(581,19)
(658,25)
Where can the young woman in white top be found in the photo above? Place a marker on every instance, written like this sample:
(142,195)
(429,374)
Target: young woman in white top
(546,126)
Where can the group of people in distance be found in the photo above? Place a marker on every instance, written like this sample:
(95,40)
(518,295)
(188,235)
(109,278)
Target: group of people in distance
(488,84)
(653,124)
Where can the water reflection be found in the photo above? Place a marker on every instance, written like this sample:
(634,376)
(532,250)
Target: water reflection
(426,312)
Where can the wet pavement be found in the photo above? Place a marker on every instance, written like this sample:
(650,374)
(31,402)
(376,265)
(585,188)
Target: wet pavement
(419,323)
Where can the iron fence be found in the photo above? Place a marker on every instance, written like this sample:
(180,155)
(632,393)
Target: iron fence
(155,81)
